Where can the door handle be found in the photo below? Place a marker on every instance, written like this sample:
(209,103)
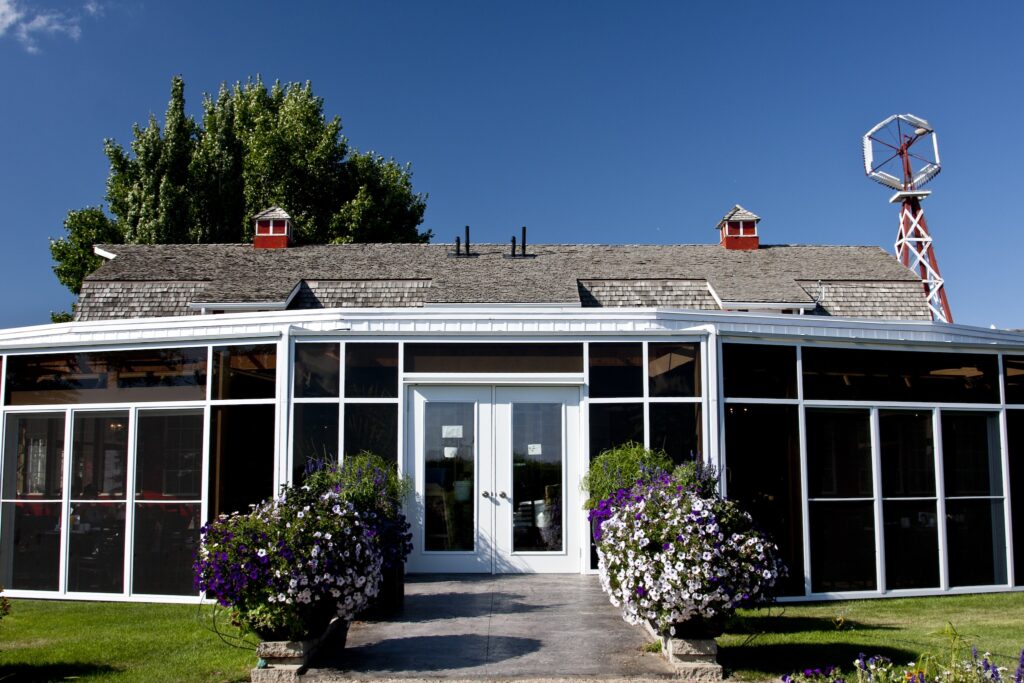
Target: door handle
(486,494)
(503,495)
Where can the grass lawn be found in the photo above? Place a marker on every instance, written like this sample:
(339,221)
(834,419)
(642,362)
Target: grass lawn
(51,640)
(764,644)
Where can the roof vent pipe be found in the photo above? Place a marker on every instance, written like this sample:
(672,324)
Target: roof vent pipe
(468,250)
(513,246)
(458,246)
(522,244)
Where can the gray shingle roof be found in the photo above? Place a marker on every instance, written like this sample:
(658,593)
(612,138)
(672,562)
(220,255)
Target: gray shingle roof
(419,274)
(272,213)
(738,213)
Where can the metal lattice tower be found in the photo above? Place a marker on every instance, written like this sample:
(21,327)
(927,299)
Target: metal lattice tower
(889,160)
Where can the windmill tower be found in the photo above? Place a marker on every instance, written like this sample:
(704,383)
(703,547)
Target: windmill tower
(902,152)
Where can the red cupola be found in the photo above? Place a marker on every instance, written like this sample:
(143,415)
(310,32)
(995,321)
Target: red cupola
(273,229)
(738,229)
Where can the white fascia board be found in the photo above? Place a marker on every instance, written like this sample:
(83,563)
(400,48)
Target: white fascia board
(500,307)
(109,255)
(768,306)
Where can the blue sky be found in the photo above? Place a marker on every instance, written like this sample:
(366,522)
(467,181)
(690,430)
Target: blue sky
(624,122)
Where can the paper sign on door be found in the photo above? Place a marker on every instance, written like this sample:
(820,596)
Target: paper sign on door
(451,431)
(451,451)
(533,449)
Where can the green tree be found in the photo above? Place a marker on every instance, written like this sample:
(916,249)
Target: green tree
(255,147)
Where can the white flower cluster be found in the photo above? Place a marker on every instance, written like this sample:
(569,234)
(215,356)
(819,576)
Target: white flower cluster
(665,559)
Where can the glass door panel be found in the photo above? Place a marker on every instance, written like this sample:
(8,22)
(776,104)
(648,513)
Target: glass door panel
(537,477)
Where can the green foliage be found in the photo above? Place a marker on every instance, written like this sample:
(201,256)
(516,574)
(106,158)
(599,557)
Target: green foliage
(698,477)
(61,316)
(620,468)
(5,604)
(256,147)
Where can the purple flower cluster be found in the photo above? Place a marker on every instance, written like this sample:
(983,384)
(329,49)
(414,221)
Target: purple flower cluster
(828,674)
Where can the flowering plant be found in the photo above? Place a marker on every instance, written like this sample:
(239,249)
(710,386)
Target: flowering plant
(293,563)
(670,555)
(958,667)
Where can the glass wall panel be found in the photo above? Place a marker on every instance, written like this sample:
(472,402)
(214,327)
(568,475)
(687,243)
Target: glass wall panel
(915,376)
(1013,368)
(169,455)
(99,455)
(616,370)
(30,551)
(457,358)
(537,462)
(911,544)
(759,371)
(613,424)
(317,370)
(673,369)
(976,542)
(372,427)
(34,457)
(970,454)
(241,372)
(842,546)
(166,538)
(762,473)
(908,454)
(676,428)
(449,448)
(241,457)
(839,453)
(315,436)
(1015,438)
(371,370)
(107,377)
(96,548)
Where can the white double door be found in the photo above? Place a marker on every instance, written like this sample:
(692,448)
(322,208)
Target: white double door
(496,472)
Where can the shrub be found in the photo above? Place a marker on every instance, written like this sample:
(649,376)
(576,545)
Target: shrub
(292,564)
(620,468)
(669,555)
(5,604)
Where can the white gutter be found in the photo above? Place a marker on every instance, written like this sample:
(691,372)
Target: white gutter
(242,306)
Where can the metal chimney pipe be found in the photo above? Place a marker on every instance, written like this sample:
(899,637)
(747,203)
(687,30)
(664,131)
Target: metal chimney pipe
(513,246)
(458,246)
(467,241)
(522,246)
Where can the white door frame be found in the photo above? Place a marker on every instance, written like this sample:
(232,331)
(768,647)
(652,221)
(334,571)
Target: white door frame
(493,514)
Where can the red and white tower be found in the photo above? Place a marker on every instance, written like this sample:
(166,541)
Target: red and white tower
(889,160)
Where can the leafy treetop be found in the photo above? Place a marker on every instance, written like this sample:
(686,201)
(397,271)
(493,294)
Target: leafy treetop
(195,182)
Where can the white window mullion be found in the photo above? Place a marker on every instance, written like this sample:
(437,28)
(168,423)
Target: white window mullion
(940,500)
(876,467)
(806,507)
(342,350)
(129,499)
(401,454)
(645,393)
(1004,442)
(65,515)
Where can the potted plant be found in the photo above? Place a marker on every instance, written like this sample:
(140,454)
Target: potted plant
(674,553)
(293,564)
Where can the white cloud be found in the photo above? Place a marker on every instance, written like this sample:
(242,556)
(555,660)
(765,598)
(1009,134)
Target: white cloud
(27,26)
(93,8)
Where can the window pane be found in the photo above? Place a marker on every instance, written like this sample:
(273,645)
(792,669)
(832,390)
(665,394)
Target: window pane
(976,540)
(315,436)
(842,546)
(537,477)
(911,544)
(839,453)
(34,457)
(317,370)
(1013,366)
(245,371)
(673,369)
(613,424)
(762,474)
(759,371)
(96,548)
(107,377)
(241,457)
(867,375)
(99,455)
(449,447)
(908,455)
(970,454)
(169,455)
(616,370)
(372,427)
(676,429)
(166,538)
(456,358)
(371,370)
(30,546)
(1015,439)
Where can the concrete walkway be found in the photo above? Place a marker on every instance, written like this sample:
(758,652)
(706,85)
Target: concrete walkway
(537,626)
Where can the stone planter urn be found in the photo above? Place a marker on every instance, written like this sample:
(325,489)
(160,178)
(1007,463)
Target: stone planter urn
(284,661)
(691,648)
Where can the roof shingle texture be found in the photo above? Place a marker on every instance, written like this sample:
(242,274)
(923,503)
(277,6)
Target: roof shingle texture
(418,274)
